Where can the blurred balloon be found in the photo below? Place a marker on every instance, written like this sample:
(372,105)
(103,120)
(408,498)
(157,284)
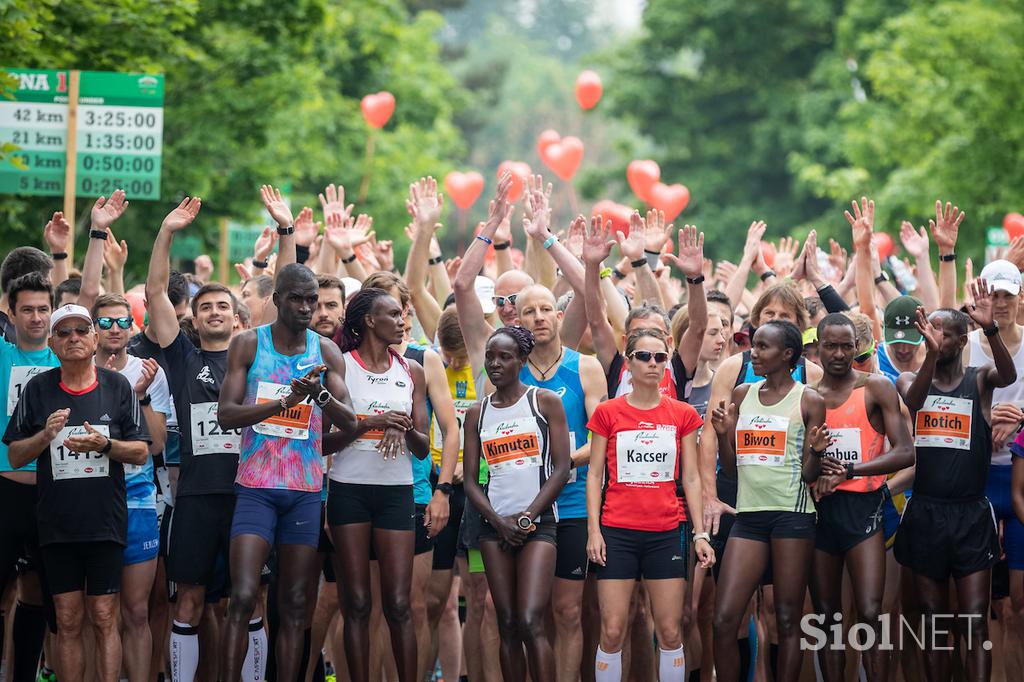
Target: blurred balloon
(464,188)
(1013,223)
(615,212)
(588,89)
(519,171)
(564,157)
(642,176)
(671,199)
(546,138)
(883,242)
(768,253)
(138,304)
(377,108)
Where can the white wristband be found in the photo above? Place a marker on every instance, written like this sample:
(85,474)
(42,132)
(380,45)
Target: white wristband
(702,536)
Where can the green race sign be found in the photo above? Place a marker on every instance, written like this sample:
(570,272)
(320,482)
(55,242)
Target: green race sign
(119,133)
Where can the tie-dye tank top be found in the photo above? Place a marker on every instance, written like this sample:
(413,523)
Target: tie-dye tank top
(282,452)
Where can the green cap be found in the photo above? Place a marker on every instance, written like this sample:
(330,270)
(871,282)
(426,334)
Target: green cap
(901,321)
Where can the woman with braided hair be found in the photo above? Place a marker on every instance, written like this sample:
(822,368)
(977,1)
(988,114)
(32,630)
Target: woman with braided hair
(522,433)
(371,489)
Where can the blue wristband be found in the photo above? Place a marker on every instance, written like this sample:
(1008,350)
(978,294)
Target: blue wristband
(484,239)
(549,241)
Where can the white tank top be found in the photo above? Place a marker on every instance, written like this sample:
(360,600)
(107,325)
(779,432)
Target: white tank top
(371,393)
(1014,393)
(514,441)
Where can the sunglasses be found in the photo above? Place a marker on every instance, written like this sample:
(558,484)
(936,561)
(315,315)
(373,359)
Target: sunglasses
(108,322)
(502,300)
(866,355)
(65,332)
(646,355)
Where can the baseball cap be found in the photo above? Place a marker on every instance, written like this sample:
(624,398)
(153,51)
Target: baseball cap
(1002,275)
(69,311)
(901,321)
(810,335)
(484,287)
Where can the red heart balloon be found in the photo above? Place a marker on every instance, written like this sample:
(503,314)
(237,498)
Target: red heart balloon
(588,89)
(883,242)
(671,199)
(1013,223)
(564,157)
(138,304)
(615,212)
(642,176)
(545,140)
(768,253)
(377,108)
(464,188)
(520,171)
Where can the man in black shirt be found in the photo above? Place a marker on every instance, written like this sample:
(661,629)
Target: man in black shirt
(82,423)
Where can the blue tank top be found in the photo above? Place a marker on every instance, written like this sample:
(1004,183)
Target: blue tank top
(284,451)
(747,375)
(17,366)
(885,365)
(565,383)
(421,490)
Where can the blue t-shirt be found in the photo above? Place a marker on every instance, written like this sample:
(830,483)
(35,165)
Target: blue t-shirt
(421,490)
(16,368)
(566,384)
(885,365)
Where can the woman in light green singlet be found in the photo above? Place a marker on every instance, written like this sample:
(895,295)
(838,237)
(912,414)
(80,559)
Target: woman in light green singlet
(773,442)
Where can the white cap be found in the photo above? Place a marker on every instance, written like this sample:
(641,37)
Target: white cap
(484,287)
(68,311)
(352,285)
(1002,275)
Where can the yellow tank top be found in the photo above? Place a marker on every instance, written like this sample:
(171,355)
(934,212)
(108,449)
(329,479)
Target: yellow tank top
(463,392)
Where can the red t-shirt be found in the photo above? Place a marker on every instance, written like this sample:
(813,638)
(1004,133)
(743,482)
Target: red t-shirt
(643,460)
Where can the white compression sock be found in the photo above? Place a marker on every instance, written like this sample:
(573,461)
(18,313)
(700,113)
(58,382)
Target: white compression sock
(671,665)
(254,667)
(184,652)
(608,667)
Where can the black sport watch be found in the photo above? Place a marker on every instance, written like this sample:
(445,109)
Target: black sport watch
(446,488)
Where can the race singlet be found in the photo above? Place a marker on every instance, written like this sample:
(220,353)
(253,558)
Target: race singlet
(511,445)
(66,464)
(207,436)
(644,456)
(19,377)
(761,439)
(367,408)
(944,422)
(845,445)
(461,407)
(291,423)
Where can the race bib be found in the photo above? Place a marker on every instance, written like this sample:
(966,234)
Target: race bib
(66,464)
(461,407)
(291,423)
(207,436)
(944,422)
(761,440)
(20,377)
(511,445)
(845,445)
(368,408)
(646,456)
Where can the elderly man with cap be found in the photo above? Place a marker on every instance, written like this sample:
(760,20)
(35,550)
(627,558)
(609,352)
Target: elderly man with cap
(83,423)
(902,350)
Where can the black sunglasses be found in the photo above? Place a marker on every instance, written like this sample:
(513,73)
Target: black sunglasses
(108,322)
(502,300)
(65,332)
(646,355)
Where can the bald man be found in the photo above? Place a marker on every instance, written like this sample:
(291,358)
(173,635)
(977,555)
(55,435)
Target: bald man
(506,290)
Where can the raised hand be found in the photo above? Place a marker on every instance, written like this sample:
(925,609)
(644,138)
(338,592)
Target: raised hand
(204,267)
(276,206)
(451,266)
(819,438)
(690,260)
(346,236)
(656,232)
(264,244)
(752,254)
(632,245)
(862,222)
(574,240)
(1015,253)
(785,256)
(183,215)
(538,209)
(56,233)
(92,441)
(115,254)
(500,205)
(332,201)
(106,211)
(503,235)
(981,309)
(932,336)
(535,183)
(305,229)
(55,422)
(915,243)
(146,377)
(1006,419)
(837,256)
(597,244)
(724,270)
(244,273)
(723,418)
(385,255)
(946,226)
(425,202)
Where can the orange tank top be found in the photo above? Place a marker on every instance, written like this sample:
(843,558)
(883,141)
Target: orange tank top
(854,439)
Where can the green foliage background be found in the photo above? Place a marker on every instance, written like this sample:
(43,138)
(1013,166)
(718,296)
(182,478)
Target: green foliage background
(782,110)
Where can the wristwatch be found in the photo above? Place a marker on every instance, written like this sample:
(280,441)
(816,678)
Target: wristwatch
(818,453)
(524,522)
(883,277)
(702,536)
(323,397)
(849,471)
(446,488)
(106,448)
(145,401)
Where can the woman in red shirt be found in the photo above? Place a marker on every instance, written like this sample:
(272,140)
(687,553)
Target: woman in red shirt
(639,442)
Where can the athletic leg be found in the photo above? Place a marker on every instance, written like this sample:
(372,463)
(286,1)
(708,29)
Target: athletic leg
(567,606)
(295,563)
(736,585)
(974,594)
(188,612)
(535,566)
(866,564)
(352,546)
(136,582)
(103,612)
(70,623)
(614,598)
(667,597)
(791,566)
(501,579)
(933,598)
(422,567)
(474,586)
(826,592)
(248,554)
(449,631)
(395,556)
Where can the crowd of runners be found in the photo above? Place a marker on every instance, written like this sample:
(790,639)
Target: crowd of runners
(547,462)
